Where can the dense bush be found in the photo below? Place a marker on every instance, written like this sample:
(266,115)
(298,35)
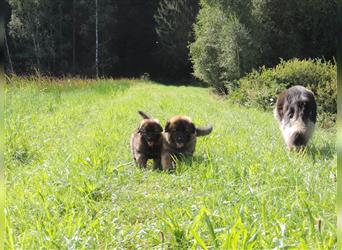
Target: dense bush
(260,88)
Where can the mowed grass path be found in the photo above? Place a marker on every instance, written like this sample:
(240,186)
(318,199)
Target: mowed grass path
(71,183)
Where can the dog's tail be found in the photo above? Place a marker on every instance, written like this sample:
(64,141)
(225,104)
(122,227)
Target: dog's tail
(202,131)
(144,115)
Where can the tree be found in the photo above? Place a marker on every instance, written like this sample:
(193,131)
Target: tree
(58,37)
(8,54)
(25,25)
(222,50)
(287,29)
(135,43)
(38,29)
(174,21)
(97,40)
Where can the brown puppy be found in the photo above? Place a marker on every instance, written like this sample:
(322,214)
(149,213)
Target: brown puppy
(146,142)
(179,139)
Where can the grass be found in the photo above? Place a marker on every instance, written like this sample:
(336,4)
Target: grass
(71,183)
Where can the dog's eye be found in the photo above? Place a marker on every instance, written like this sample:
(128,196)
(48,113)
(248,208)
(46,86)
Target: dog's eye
(291,113)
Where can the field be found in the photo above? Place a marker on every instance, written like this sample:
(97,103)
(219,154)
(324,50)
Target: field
(71,182)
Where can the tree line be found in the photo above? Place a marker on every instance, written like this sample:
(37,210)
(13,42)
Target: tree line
(216,40)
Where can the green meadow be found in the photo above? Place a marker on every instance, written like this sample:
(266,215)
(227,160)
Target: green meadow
(71,182)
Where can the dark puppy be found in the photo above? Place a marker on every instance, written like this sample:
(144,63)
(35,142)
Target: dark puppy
(179,139)
(146,142)
(296,112)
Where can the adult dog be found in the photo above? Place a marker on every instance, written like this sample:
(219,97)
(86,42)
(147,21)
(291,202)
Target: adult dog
(179,139)
(146,142)
(296,112)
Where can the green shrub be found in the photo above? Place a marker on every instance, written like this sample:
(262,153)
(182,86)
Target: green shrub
(260,88)
(221,52)
(232,37)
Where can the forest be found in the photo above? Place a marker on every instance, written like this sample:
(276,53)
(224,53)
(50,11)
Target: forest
(165,39)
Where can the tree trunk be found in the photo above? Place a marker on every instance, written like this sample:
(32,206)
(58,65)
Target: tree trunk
(8,55)
(61,40)
(73,38)
(97,41)
(35,50)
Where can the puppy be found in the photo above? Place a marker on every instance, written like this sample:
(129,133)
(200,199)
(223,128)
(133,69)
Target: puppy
(296,112)
(179,139)
(146,142)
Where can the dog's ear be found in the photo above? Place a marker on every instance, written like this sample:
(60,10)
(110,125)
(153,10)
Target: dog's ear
(144,115)
(281,104)
(160,128)
(192,128)
(167,127)
(140,128)
(313,107)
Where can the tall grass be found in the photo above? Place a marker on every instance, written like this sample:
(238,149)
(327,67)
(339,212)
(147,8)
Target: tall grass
(71,182)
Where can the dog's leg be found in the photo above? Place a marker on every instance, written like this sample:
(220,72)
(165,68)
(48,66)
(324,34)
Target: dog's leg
(141,160)
(157,164)
(166,161)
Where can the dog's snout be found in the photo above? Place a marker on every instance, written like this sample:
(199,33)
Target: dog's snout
(298,139)
(180,138)
(147,136)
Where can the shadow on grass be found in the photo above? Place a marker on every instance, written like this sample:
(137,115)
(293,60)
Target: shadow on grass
(101,86)
(188,81)
(107,87)
(184,164)
(326,152)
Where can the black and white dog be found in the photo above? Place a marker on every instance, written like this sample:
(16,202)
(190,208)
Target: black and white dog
(296,112)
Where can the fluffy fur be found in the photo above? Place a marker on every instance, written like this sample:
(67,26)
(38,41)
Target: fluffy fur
(146,142)
(179,139)
(296,112)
